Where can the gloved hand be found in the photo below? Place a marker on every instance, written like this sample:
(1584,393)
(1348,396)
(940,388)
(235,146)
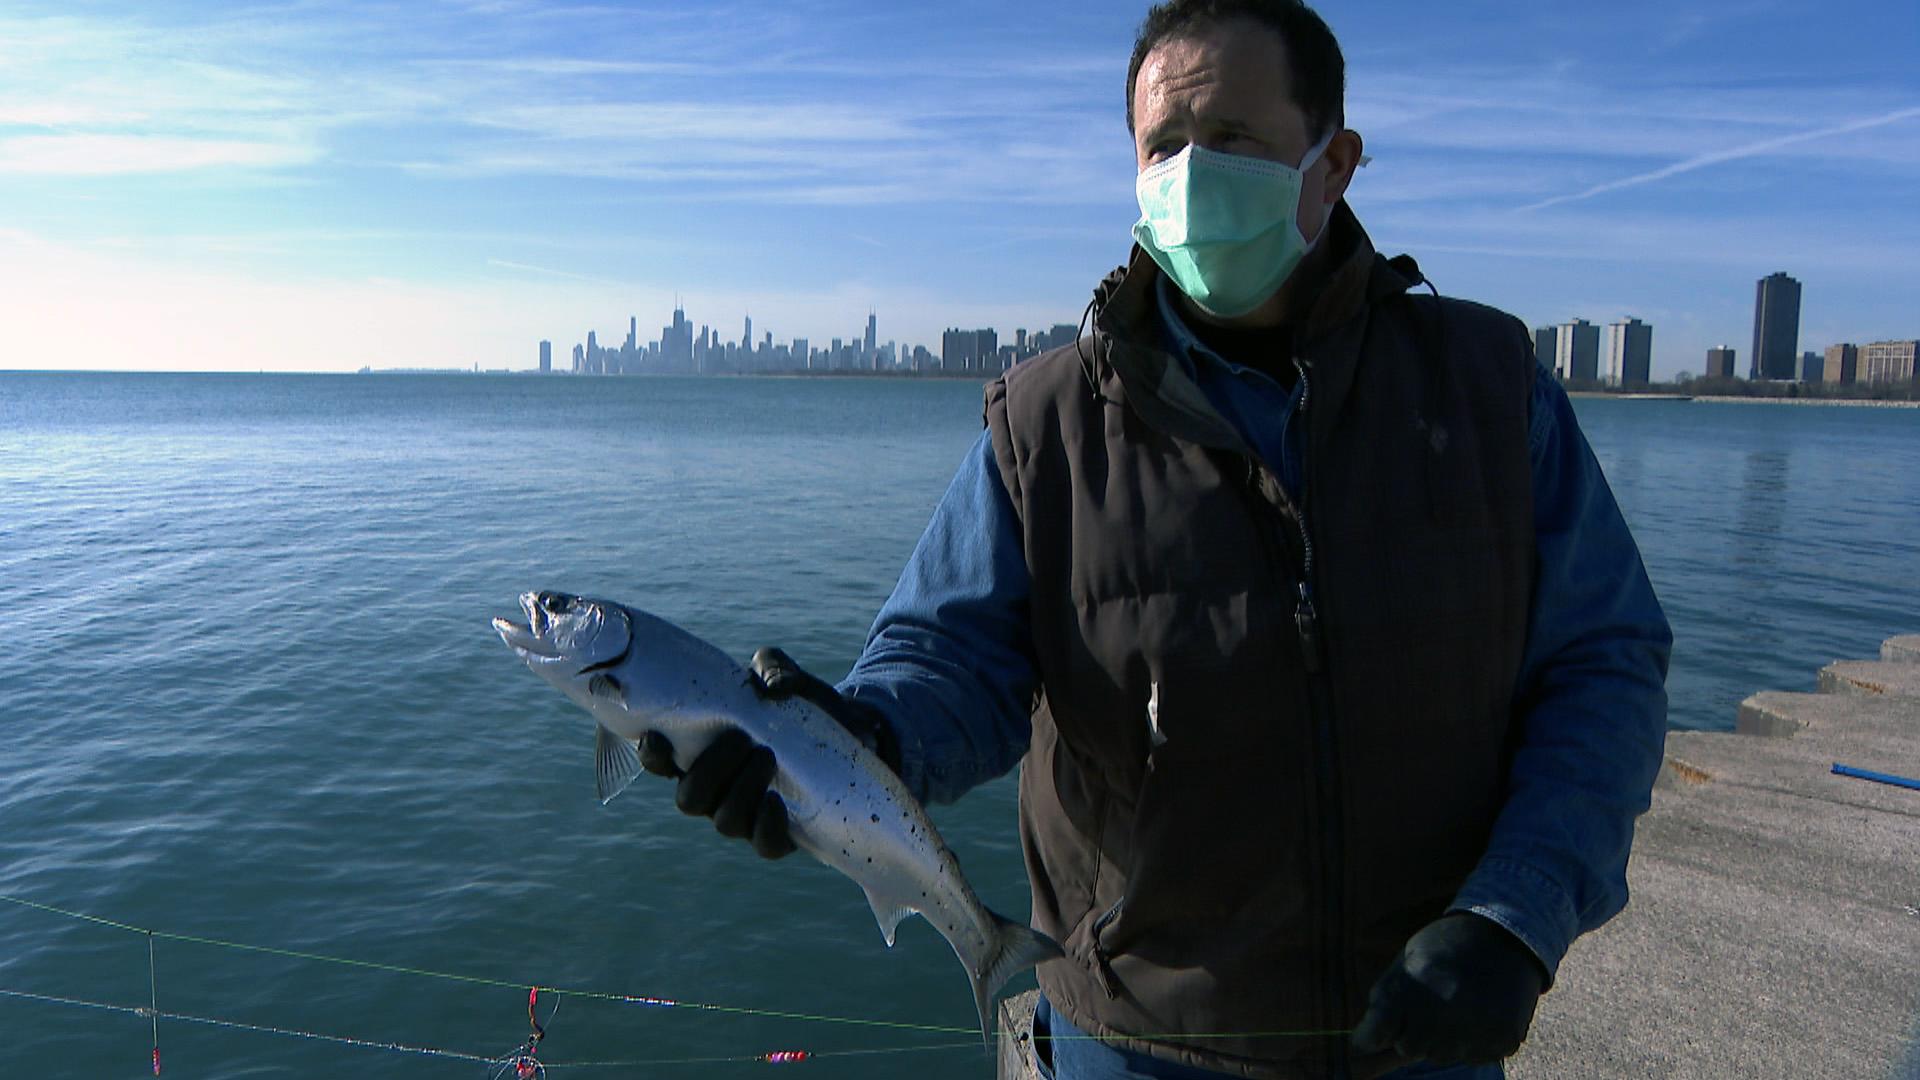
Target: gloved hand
(728,781)
(1463,991)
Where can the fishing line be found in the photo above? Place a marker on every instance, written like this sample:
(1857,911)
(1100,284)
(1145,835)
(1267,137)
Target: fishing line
(153,1003)
(776,1057)
(481,980)
(263,1029)
(524,1059)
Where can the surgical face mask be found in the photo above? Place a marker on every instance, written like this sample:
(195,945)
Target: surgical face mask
(1225,228)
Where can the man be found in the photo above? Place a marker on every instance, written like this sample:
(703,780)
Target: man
(1338,679)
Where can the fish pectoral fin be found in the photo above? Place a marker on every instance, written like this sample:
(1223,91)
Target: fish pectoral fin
(615,763)
(888,912)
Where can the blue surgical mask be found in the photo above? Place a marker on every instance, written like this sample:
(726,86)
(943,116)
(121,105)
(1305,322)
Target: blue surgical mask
(1225,228)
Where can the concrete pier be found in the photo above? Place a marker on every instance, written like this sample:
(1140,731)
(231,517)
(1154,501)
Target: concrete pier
(1774,929)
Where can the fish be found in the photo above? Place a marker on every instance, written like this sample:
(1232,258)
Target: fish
(636,672)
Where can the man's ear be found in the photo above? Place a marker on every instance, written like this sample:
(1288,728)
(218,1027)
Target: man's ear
(1345,154)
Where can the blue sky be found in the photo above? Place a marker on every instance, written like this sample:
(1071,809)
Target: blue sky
(319,185)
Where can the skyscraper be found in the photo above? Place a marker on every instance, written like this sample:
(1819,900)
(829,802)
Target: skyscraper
(1776,327)
(1545,349)
(1890,362)
(1629,353)
(1842,364)
(546,357)
(870,342)
(957,349)
(1577,352)
(986,350)
(1720,362)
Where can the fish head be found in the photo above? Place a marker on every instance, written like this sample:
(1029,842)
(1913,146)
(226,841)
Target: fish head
(567,638)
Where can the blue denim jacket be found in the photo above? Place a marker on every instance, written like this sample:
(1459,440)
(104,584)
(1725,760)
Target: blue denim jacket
(951,663)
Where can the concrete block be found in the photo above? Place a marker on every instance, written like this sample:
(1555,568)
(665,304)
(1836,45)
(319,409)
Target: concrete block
(1871,677)
(1785,714)
(1016,1037)
(1904,649)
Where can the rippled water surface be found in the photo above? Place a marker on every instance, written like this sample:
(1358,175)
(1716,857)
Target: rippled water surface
(249,693)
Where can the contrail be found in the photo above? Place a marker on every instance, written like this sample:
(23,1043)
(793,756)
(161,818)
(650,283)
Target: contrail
(1718,156)
(544,270)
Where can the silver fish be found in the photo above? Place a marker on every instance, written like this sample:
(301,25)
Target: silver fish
(637,673)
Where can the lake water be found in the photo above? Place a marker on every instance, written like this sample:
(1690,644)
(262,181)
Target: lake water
(250,694)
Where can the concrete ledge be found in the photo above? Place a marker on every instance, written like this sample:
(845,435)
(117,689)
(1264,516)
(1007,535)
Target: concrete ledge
(1774,927)
(1016,1037)
(1904,649)
(1881,677)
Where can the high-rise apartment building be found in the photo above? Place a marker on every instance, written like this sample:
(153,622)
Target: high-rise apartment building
(956,349)
(1545,349)
(1890,362)
(1576,352)
(1720,362)
(986,349)
(1776,327)
(1842,364)
(1629,353)
(1812,366)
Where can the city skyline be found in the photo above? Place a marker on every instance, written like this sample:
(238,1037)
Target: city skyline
(679,350)
(324,185)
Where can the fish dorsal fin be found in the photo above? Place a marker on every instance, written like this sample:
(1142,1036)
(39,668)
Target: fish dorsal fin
(888,912)
(615,763)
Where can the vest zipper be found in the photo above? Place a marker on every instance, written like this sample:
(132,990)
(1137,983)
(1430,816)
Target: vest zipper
(1326,758)
(1306,621)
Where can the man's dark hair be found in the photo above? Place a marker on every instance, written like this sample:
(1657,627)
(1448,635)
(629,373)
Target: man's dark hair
(1319,71)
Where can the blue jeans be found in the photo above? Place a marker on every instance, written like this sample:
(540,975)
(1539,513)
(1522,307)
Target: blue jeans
(1063,1056)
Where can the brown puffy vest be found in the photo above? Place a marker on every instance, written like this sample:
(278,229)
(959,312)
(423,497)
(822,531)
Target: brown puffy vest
(1236,809)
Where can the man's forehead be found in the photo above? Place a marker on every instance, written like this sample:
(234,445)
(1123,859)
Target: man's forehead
(1244,57)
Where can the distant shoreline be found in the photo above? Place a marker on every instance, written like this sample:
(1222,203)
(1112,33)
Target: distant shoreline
(1866,403)
(1734,399)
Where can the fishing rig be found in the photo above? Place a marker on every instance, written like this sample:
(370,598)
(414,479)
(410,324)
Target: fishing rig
(523,1062)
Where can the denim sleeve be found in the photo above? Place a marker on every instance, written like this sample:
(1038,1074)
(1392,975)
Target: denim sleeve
(1591,699)
(950,657)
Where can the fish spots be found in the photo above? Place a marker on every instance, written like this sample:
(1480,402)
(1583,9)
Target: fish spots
(876,819)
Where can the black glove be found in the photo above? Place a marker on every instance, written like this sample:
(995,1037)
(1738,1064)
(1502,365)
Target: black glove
(728,781)
(1462,991)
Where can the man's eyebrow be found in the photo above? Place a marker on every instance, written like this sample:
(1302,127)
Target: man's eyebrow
(1152,135)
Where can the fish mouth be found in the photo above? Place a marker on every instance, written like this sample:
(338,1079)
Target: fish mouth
(530,639)
(561,626)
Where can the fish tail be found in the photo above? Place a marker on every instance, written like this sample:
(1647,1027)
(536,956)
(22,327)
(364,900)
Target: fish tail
(1014,948)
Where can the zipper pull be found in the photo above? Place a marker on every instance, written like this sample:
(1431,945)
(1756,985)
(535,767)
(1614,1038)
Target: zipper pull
(1307,621)
(1102,957)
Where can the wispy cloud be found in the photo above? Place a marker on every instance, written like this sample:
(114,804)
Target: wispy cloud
(104,155)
